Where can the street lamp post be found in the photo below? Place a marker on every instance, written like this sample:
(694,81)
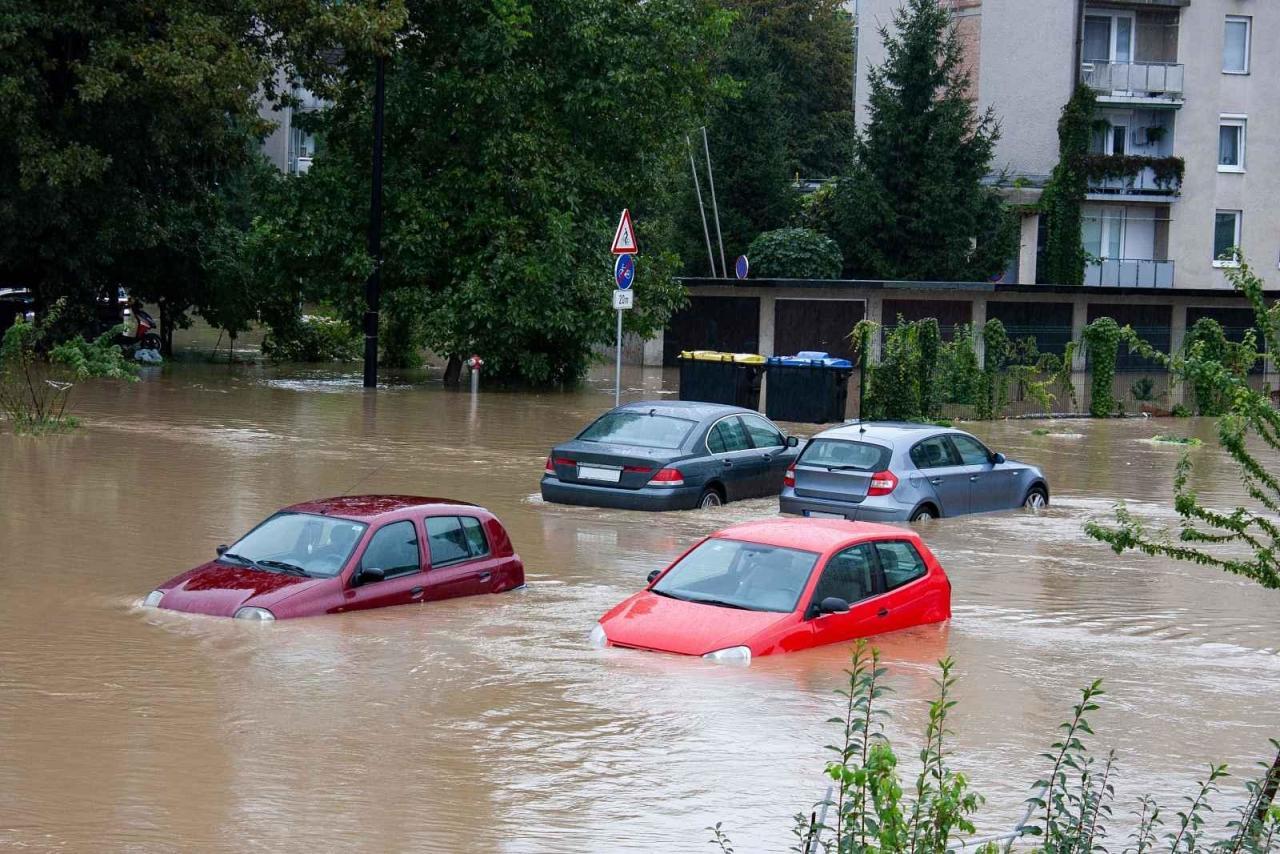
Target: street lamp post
(373,285)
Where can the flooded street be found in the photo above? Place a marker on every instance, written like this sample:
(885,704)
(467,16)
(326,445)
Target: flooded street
(487,723)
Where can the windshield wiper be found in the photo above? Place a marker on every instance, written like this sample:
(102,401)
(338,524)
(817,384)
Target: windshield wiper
(669,595)
(846,468)
(284,566)
(241,559)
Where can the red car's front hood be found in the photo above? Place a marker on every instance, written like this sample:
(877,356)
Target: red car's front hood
(219,590)
(650,621)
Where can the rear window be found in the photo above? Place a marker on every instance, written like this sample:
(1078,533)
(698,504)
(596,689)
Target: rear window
(859,456)
(638,428)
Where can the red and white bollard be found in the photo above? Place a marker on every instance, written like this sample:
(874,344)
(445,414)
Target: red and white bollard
(474,364)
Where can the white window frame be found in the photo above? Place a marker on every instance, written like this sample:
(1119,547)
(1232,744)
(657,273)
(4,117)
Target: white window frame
(1239,227)
(1239,121)
(1248,42)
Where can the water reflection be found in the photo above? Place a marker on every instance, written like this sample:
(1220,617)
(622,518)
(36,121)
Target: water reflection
(489,724)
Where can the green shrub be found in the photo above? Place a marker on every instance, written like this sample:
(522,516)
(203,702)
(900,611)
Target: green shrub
(36,379)
(314,338)
(1143,390)
(1102,338)
(795,253)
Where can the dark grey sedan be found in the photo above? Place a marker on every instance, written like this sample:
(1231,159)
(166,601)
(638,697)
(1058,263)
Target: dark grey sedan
(670,455)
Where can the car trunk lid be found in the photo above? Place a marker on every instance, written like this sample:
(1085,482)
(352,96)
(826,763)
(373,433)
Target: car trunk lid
(618,466)
(839,469)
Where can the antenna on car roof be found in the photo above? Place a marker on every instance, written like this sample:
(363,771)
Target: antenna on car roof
(363,479)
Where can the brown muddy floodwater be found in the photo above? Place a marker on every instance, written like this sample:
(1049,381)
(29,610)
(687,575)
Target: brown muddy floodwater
(487,724)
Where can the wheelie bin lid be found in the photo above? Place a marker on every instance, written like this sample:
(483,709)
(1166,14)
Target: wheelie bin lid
(810,359)
(717,356)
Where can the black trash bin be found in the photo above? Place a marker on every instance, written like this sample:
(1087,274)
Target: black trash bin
(808,387)
(713,377)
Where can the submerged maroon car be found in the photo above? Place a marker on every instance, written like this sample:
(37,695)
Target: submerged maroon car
(350,553)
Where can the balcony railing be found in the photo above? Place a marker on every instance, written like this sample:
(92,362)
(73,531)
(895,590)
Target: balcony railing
(1135,79)
(1132,175)
(1129,273)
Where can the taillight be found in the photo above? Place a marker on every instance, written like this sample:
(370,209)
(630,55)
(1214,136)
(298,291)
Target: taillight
(668,477)
(552,462)
(789,479)
(882,483)
(550,467)
(637,469)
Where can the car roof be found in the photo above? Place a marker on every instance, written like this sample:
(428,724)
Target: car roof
(820,535)
(692,409)
(370,507)
(885,431)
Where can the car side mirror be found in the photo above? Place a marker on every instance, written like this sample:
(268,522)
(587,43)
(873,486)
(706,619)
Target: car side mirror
(222,549)
(793,441)
(654,575)
(833,605)
(997,458)
(371,573)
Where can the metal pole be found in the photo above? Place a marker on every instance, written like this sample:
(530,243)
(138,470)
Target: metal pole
(617,366)
(373,286)
(702,212)
(711,185)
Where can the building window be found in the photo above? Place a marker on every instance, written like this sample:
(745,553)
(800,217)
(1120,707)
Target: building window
(1231,144)
(1235,47)
(1226,236)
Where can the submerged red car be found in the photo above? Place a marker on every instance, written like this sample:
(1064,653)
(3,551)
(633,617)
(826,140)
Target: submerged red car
(782,585)
(347,554)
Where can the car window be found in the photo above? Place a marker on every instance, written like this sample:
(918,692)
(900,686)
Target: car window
(319,544)
(739,574)
(638,428)
(728,435)
(476,540)
(900,562)
(393,549)
(762,433)
(847,576)
(971,450)
(446,540)
(862,456)
(934,452)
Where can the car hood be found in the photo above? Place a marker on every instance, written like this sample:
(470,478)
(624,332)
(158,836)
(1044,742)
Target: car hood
(649,621)
(220,590)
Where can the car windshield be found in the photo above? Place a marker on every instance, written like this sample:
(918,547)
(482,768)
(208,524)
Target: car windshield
(638,428)
(736,574)
(838,453)
(287,542)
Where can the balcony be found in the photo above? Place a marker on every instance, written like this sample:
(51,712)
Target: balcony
(1135,177)
(1153,84)
(1128,273)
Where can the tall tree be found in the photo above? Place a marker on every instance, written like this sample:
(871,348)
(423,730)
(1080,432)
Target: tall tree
(515,133)
(914,205)
(121,120)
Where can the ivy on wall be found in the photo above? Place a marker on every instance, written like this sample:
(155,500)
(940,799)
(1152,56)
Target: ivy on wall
(1102,341)
(1064,256)
(1168,171)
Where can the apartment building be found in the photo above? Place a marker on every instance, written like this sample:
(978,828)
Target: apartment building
(289,147)
(1187,139)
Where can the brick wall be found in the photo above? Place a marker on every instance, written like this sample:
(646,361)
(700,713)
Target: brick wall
(968,18)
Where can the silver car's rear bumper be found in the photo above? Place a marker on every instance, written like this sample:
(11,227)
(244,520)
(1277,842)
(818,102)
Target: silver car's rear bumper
(867,510)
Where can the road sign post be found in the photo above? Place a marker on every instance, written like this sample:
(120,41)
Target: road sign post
(624,273)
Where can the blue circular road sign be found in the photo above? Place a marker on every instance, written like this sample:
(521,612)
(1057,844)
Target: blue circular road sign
(624,271)
(741,266)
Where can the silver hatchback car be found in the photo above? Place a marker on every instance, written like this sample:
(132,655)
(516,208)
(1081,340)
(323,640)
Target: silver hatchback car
(899,471)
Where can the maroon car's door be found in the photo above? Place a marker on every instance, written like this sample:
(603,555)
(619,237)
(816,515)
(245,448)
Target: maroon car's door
(848,575)
(395,549)
(461,561)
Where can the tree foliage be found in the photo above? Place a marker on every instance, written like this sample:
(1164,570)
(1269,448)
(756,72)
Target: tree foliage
(510,148)
(794,253)
(914,205)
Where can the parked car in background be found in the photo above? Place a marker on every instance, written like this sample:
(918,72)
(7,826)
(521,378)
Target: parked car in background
(349,554)
(670,455)
(781,585)
(15,304)
(897,471)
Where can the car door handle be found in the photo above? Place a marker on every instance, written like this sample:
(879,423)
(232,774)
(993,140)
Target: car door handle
(883,612)
(417,591)
(936,481)
(972,478)
(728,464)
(485,576)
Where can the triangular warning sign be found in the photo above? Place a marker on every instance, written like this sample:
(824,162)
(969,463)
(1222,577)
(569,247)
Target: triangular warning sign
(624,239)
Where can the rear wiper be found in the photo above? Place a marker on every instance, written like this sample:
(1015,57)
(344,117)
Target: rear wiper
(845,468)
(283,566)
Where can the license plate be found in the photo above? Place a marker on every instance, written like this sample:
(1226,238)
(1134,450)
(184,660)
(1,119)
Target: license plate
(599,473)
(814,514)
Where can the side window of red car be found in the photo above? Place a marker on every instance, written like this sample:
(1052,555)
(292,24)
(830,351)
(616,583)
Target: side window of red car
(900,563)
(453,539)
(846,576)
(393,549)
